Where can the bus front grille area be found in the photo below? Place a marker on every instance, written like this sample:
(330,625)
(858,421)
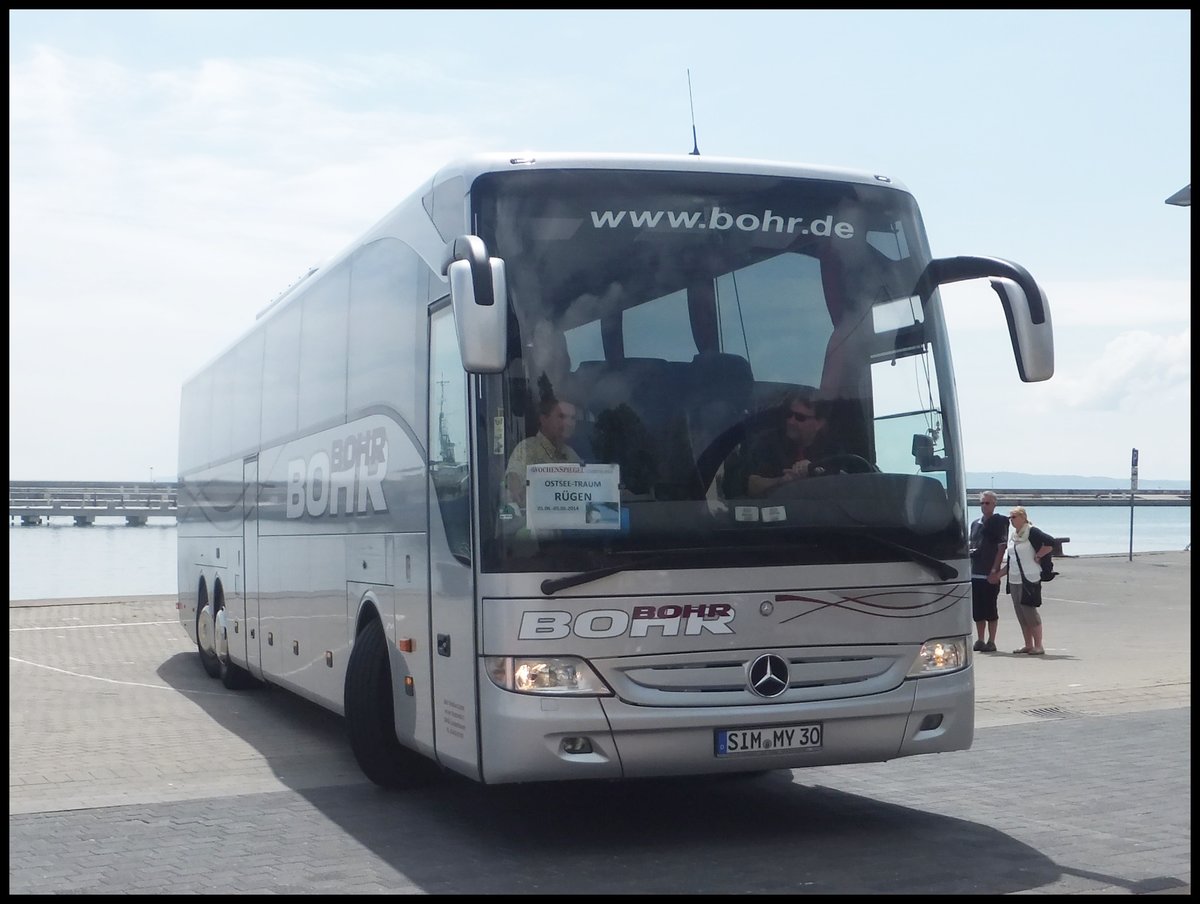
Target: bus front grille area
(727,678)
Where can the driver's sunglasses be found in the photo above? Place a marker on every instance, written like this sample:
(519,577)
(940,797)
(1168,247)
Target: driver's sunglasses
(797,416)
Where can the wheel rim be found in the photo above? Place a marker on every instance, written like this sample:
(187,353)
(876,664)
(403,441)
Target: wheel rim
(204,631)
(221,637)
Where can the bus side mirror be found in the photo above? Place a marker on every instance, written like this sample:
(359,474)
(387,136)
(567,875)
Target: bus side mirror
(1024,303)
(479,295)
(1032,342)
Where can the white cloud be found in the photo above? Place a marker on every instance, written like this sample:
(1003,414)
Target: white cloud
(1106,397)
(151,218)
(1103,302)
(153,214)
(1122,380)
(1131,370)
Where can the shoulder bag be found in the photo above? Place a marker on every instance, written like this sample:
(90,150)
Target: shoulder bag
(1031,591)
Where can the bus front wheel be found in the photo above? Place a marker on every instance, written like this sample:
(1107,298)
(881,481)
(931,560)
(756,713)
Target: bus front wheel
(370,719)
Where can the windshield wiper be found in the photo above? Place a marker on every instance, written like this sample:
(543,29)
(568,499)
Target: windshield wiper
(935,565)
(550,586)
(654,559)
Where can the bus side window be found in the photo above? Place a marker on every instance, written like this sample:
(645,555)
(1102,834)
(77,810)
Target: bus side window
(449,456)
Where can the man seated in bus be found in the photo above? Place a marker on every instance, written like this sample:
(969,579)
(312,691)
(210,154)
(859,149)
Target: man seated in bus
(789,451)
(556,424)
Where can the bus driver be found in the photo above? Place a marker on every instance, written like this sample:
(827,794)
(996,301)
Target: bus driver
(556,424)
(788,453)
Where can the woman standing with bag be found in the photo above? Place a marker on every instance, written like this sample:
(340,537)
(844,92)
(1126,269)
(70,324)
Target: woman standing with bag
(1026,548)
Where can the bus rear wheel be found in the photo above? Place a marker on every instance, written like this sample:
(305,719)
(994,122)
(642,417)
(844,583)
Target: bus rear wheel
(370,719)
(206,644)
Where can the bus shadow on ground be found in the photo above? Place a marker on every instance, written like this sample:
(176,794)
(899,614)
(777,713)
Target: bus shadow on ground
(304,744)
(755,834)
(761,835)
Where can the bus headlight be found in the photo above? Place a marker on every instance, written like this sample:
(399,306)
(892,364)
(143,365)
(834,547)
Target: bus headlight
(939,656)
(559,676)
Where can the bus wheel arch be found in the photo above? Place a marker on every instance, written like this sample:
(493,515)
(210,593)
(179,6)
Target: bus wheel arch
(206,631)
(368,608)
(370,719)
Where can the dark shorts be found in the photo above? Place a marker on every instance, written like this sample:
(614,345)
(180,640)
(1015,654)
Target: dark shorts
(983,600)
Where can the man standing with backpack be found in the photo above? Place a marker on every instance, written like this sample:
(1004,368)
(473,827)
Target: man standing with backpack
(988,539)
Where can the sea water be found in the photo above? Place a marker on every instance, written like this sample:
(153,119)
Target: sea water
(59,560)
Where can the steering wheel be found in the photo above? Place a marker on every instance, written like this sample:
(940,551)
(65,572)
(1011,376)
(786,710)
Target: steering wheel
(846,462)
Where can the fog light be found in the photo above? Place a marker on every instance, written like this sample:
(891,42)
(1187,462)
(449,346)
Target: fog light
(577,745)
(930,722)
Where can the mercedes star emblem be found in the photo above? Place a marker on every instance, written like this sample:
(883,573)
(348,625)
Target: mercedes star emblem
(769,675)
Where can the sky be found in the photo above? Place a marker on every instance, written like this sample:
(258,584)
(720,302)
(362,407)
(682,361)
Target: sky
(172,171)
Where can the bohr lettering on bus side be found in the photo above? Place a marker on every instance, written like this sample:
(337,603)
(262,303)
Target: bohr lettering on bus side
(348,479)
(670,620)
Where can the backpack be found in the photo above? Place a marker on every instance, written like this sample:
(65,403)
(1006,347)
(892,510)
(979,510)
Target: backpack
(1047,563)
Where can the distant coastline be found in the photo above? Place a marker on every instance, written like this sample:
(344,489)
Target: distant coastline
(1015,480)
(1058,496)
(991,479)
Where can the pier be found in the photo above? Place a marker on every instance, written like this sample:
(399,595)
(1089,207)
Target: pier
(1009,497)
(84,501)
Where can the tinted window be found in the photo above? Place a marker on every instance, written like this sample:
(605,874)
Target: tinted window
(247,393)
(322,393)
(195,410)
(383,343)
(220,426)
(281,362)
(449,458)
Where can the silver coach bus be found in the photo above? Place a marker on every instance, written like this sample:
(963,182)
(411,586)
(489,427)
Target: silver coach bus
(345,530)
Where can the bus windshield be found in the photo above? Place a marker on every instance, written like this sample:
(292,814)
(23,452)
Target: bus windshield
(710,371)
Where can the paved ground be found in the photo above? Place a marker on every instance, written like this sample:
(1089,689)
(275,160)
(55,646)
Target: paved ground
(131,771)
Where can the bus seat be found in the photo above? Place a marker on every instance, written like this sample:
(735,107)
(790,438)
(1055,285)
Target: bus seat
(717,400)
(719,390)
(583,381)
(644,384)
(633,402)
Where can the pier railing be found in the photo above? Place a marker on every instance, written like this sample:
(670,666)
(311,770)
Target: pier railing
(1007,497)
(32,500)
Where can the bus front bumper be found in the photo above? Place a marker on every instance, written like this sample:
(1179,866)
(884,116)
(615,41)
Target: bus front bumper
(532,738)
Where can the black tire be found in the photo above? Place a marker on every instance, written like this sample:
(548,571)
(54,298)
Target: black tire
(234,677)
(370,720)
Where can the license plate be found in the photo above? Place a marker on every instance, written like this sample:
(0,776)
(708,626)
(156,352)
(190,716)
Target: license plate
(742,741)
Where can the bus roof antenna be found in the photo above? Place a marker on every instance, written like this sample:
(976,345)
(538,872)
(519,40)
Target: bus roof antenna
(695,144)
